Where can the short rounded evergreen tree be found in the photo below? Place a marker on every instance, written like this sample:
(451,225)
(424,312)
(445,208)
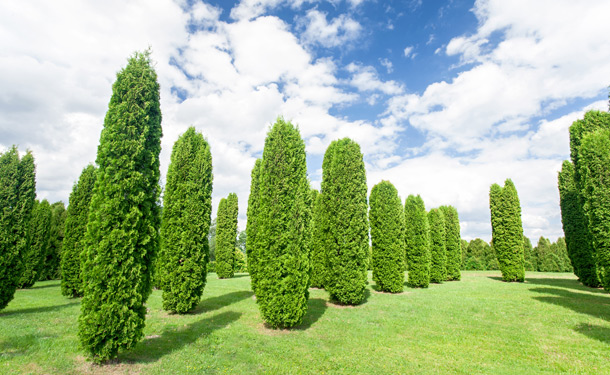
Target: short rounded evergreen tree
(38,236)
(417,242)
(438,250)
(226,236)
(452,242)
(252,223)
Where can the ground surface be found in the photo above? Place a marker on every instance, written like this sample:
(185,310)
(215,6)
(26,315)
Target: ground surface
(480,325)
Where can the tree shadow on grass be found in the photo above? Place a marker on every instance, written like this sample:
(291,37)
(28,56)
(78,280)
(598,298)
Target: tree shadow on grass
(215,303)
(54,284)
(367,294)
(315,309)
(564,283)
(595,332)
(35,310)
(18,345)
(597,306)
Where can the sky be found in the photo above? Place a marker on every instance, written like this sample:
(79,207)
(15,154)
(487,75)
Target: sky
(445,98)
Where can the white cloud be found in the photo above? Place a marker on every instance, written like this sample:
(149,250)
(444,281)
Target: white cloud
(408,50)
(339,31)
(387,64)
(365,79)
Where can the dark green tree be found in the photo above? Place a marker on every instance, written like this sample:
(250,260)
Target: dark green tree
(51,269)
(475,257)
(283,224)
(528,255)
(491,260)
(77,216)
(546,258)
(452,242)
(507,230)
(386,216)
(464,247)
(123,230)
(417,242)
(562,253)
(38,238)
(345,223)
(241,264)
(187,210)
(252,223)
(438,250)
(317,248)
(17,197)
(212,242)
(226,236)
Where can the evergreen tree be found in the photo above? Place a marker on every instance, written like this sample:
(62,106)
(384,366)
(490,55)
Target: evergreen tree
(562,253)
(528,255)
(51,269)
(38,238)
(491,260)
(77,216)
(438,250)
(212,241)
(546,259)
(464,248)
(386,216)
(317,248)
(452,242)
(17,197)
(226,236)
(252,223)
(417,242)
(283,224)
(475,258)
(345,224)
(507,230)
(241,264)
(187,210)
(123,230)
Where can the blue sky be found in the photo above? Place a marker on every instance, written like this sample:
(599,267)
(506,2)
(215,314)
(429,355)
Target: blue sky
(444,97)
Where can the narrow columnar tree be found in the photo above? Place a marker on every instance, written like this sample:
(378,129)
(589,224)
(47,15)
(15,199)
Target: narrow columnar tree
(345,224)
(317,248)
(252,223)
(187,210)
(51,269)
(452,242)
(386,216)
(438,250)
(123,230)
(226,236)
(38,236)
(283,224)
(562,253)
(546,259)
(528,255)
(75,229)
(417,242)
(17,197)
(507,230)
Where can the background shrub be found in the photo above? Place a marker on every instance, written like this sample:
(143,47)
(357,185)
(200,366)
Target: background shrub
(226,236)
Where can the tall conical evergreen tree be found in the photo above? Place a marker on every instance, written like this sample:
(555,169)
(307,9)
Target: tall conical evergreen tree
(417,242)
(438,250)
(345,224)
(17,197)
(77,216)
(318,273)
(528,255)
(38,238)
(252,223)
(123,230)
(387,236)
(226,236)
(283,228)
(187,210)
(507,230)
(452,242)
(51,269)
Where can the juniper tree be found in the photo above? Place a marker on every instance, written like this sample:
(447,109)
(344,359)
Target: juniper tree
(507,230)
(252,223)
(417,242)
(51,269)
(452,242)
(345,224)
(438,250)
(386,216)
(123,230)
(226,236)
(317,256)
(283,224)
(38,243)
(187,210)
(77,216)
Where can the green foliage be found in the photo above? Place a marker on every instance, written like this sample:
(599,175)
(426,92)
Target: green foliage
(123,230)
(475,255)
(226,236)
(51,269)
(241,264)
(252,223)
(187,210)
(344,225)
(546,259)
(241,241)
(38,238)
(212,240)
(528,255)
(77,216)
(507,230)
(317,247)
(283,222)
(212,266)
(562,253)
(464,248)
(417,242)
(438,250)
(386,216)
(452,242)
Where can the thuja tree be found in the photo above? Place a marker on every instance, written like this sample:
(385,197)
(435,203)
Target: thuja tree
(226,236)
(417,242)
(187,210)
(317,247)
(562,253)
(38,238)
(507,230)
(123,230)
(475,255)
(528,255)
(17,197)
(386,217)
(252,223)
(283,224)
(51,269)
(77,216)
(546,258)
(344,206)
(438,250)
(452,242)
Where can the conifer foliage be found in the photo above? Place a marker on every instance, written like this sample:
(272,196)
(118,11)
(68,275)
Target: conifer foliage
(38,238)
(123,231)
(252,223)
(187,210)
(507,230)
(345,224)
(452,242)
(438,250)
(283,228)
(417,242)
(387,235)
(17,197)
(51,269)
(74,234)
(317,248)
(226,236)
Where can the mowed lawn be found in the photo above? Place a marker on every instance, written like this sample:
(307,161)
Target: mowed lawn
(480,325)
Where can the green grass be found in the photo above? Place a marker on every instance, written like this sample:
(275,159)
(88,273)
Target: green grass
(480,325)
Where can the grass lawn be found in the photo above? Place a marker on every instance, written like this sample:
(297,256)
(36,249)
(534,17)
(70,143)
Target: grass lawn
(548,325)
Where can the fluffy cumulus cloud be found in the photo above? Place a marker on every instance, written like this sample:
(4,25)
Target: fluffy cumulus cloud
(338,32)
